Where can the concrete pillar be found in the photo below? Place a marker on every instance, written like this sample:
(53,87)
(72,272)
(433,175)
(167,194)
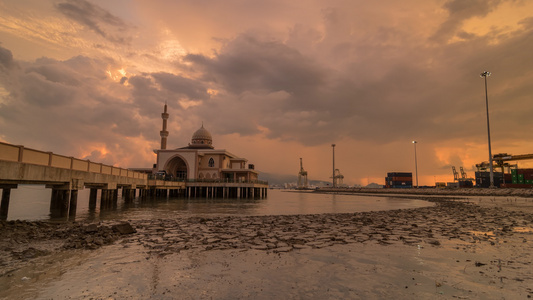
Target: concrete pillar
(59,203)
(92,198)
(106,200)
(73,203)
(103,198)
(4,206)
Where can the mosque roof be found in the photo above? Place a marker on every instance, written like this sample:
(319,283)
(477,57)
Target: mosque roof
(201,139)
(202,134)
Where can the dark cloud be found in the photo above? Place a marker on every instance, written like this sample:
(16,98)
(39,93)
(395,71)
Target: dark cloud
(94,18)
(181,86)
(73,106)
(248,63)
(459,11)
(6,58)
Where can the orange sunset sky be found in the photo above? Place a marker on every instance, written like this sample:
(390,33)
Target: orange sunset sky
(272,81)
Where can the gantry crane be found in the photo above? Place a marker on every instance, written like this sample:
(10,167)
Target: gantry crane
(500,160)
(455,174)
(302,175)
(464,176)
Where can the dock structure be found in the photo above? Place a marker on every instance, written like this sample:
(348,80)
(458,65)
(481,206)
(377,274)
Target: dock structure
(67,175)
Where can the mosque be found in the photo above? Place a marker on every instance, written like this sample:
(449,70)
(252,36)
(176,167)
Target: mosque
(217,171)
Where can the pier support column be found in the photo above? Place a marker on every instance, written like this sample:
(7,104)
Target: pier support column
(106,200)
(92,198)
(4,205)
(73,203)
(59,203)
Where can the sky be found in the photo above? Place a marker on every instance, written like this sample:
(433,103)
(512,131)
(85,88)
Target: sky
(273,81)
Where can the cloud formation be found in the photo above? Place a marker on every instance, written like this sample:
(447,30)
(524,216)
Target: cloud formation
(370,78)
(94,18)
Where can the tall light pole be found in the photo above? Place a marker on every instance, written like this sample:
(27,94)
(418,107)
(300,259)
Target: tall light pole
(333,146)
(485,75)
(416,166)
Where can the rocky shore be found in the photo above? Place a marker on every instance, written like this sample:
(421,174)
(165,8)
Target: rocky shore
(448,219)
(434,191)
(465,223)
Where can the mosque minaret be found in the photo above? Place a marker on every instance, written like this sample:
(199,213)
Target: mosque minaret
(164,132)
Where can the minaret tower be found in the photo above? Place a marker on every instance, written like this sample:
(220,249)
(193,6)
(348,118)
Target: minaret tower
(164,132)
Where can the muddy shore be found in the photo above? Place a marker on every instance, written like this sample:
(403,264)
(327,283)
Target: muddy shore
(454,249)
(460,192)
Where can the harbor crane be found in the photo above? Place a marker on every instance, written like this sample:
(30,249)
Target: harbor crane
(464,176)
(455,174)
(501,160)
(302,176)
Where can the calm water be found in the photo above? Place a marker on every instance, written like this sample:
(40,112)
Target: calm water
(32,202)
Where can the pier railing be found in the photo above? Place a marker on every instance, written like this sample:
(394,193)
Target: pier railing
(221,180)
(21,154)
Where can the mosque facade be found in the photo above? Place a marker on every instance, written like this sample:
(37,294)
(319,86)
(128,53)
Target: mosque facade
(200,164)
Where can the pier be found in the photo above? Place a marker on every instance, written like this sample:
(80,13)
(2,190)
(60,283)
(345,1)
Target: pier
(67,175)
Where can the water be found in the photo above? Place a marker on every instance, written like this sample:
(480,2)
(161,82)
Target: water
(32,202)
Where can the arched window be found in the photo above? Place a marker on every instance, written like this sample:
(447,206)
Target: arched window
(211,162)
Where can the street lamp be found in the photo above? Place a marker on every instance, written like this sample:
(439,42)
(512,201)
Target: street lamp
(333,146)
(416,166)
(485,75)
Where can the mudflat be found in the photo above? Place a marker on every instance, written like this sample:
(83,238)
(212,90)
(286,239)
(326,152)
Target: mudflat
(475,249)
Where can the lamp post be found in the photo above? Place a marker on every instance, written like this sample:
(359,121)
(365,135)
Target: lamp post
(485,75)
(333,177)
(416,166)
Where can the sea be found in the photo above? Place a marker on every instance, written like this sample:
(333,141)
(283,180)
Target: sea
(32,203)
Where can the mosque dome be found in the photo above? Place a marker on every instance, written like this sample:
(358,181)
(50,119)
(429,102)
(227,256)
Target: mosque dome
(202,137)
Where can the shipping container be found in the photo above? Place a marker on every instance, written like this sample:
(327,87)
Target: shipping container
(400,186)
(400,174)
(483,179)
(524,171)
(452,184)
(401,178)
(466,184)
(517,186)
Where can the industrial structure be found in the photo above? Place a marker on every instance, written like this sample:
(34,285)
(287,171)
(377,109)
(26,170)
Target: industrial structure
(510,176)
(302,176)
(462,181)
(338,178)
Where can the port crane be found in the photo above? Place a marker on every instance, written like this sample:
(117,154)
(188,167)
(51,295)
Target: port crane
(464,176)
(302,176)
(501,160)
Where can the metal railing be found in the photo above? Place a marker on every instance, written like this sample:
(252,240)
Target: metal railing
(218,180)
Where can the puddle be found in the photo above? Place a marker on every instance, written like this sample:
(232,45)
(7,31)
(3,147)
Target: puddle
(523,229)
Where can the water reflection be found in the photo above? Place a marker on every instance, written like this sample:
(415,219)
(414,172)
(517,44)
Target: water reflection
(34,203)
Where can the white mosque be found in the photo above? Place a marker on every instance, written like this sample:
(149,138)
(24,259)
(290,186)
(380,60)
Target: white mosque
(200,164)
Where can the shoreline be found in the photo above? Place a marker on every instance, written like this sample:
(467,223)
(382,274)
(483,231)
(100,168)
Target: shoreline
(472,232)
(498,192)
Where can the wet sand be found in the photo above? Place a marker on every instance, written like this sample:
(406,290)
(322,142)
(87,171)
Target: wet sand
(454,249)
